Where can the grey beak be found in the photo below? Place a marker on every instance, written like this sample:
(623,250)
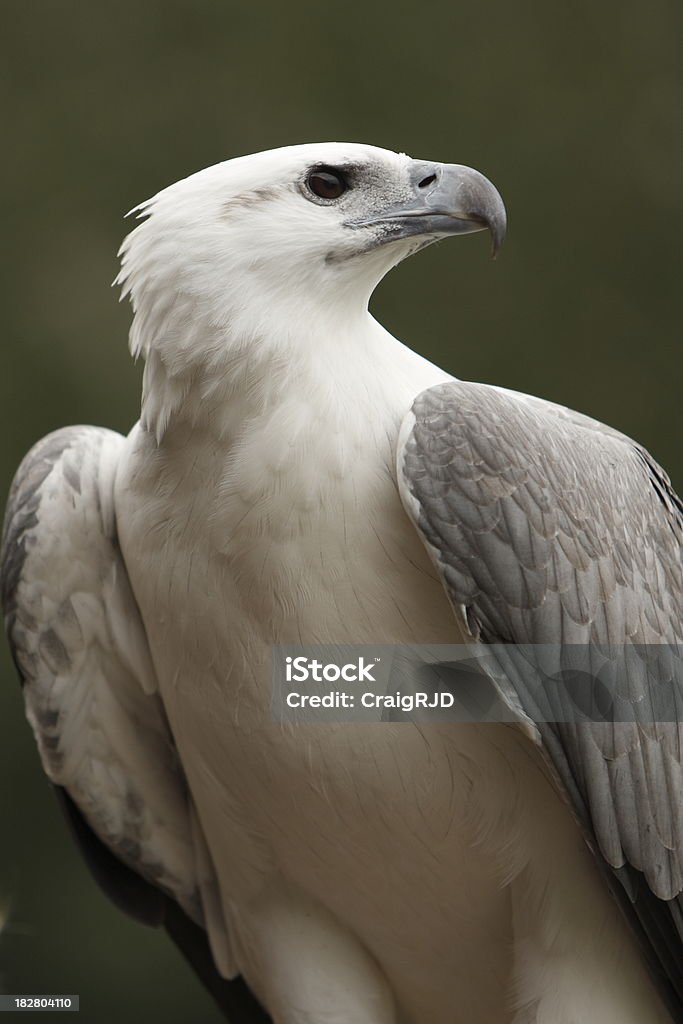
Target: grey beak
(448,199)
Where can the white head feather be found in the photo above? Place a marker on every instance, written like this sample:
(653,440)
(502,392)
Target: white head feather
(243,263)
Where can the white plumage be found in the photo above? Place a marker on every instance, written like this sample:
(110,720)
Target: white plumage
(355,874)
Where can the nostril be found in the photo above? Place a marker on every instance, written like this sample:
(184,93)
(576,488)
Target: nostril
(426,182)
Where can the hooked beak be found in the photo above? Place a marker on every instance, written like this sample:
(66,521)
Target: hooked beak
(448,199)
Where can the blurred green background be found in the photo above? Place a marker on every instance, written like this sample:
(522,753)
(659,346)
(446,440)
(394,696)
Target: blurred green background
(572,109)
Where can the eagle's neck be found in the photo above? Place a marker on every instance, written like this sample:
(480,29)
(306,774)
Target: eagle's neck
(219,377)
(282,480)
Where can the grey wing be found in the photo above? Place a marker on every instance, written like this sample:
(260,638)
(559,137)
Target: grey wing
(549,528)
(90,694)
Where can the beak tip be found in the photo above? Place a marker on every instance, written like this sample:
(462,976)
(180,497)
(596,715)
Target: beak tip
(496,244)
(497,226)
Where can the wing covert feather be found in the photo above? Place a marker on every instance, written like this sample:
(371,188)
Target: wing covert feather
(549,528)
(80,646)
(81,650)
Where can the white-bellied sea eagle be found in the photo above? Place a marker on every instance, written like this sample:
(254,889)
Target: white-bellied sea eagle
(299,476)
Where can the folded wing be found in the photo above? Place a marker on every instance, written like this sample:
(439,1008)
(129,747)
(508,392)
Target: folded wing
(90,692)
(550,528)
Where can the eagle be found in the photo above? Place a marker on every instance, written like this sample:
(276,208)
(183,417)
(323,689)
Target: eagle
(299,476)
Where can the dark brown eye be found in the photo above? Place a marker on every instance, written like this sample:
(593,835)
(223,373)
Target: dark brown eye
(326,183)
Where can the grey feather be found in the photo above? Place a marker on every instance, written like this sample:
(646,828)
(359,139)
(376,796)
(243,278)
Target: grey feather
(89,684)
(548,527)
(63,585)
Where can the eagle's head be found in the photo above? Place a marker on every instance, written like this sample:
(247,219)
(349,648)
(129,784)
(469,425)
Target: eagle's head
(286,244)
(302,225)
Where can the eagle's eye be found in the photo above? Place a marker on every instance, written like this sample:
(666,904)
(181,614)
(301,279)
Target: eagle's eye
(326,183)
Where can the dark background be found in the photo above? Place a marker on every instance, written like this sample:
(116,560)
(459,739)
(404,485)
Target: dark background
(572,109)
